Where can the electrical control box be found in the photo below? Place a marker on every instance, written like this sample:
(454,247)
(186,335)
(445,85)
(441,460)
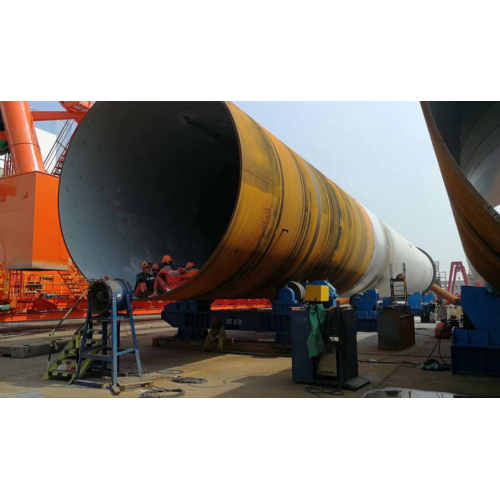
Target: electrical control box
(338,363)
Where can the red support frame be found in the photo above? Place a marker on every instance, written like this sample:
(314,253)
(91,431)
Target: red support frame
(455,268)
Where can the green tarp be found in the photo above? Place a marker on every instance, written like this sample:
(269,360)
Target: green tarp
(315,343)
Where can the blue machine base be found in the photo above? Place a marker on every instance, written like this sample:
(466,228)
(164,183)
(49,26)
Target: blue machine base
(476,347)
(476,352)
(187,334)
(193,325)
(367,321)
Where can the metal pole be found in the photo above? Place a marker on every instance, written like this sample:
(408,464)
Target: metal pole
(23,142)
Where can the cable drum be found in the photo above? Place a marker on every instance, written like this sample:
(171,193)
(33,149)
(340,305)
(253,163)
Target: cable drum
(102,293)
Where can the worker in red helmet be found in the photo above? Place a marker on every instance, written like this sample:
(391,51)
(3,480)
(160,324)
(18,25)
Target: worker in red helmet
(169,277)
(156,270)
(145,282)
(188,271)
(218,333)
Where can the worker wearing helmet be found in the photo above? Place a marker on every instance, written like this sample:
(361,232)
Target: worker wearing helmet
(188,272)
(169,277)
(145,282)
(167,261)
(156,269)
(217,332)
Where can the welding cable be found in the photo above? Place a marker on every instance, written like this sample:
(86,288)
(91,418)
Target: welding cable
(173,372)
(387,356)
(424,335)
(375,362)
(156,392)
(224,382)
(410,363)
(163,393)
(439,349)
(170,373)
(438,345)
(318,391)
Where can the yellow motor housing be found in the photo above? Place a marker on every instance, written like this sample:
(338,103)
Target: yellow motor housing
(317,293)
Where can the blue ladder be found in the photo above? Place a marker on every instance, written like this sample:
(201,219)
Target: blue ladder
(108,352)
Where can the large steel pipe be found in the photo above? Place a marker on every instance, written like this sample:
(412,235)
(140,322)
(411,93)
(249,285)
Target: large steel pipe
(466,139)
(204,182)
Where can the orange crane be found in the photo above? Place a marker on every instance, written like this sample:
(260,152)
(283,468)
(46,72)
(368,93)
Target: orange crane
(35,273)
(30,235)
(37,278)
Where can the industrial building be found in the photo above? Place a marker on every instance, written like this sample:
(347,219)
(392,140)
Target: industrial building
(260,277)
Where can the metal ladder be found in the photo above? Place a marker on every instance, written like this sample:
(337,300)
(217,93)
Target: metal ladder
(60,162)
(399,291)
(55,156)
(75,283)
(108,352)
(66,364)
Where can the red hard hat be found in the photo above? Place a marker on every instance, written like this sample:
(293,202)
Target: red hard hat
(189,265)
(144,265)
(166,259)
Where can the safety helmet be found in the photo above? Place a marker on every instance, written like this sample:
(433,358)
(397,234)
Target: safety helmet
(156,268)
(167,259)
(189,265)
(145,265)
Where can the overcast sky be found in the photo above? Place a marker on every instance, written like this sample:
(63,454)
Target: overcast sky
(379,152)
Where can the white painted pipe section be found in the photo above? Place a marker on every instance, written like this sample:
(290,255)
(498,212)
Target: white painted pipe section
(391,248)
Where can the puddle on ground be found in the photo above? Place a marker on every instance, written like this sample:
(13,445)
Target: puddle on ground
(396,392)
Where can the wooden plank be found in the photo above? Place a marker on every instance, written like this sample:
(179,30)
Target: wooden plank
(127,384)
(25,350)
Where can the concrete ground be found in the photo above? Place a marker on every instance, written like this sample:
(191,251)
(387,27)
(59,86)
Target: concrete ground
(235,375)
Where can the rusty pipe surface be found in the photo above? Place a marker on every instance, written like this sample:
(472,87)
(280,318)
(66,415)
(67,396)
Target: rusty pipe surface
(466,139)
(205,183)
(23,142)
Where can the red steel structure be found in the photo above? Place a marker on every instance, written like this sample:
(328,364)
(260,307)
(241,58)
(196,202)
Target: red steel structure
(455,269)
(37,279)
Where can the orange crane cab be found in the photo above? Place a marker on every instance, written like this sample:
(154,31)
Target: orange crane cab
(30,235)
